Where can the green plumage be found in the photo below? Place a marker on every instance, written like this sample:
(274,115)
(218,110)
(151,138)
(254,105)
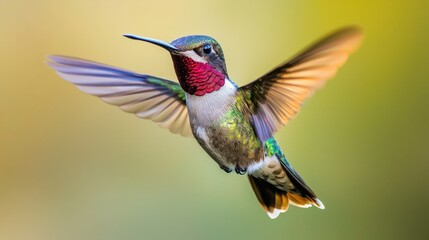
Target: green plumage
(273,148)
(236,120)
(175,88)
(231,139)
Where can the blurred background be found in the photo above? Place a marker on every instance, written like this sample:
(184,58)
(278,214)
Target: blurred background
(73,167)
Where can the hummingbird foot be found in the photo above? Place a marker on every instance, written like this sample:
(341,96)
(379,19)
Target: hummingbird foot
(226,169)
(240,170)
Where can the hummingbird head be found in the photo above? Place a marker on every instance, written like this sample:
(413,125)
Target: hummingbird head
(198,61)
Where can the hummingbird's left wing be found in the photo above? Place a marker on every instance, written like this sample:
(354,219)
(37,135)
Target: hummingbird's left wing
(160,100)
(277,96)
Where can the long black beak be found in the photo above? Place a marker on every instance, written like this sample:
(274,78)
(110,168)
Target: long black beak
(162,44)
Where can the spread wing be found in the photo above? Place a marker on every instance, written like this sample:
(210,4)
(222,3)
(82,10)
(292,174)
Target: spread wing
(160,100)
(277,96)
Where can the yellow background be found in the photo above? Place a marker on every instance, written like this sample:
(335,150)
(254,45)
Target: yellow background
(73,167)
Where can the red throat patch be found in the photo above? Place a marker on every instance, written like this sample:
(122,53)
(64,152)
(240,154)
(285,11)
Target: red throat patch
(197,78)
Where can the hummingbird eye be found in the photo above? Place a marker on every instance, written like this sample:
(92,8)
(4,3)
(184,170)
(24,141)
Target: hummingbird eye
(207,49)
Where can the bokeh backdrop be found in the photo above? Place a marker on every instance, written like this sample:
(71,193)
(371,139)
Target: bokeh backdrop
(73,167)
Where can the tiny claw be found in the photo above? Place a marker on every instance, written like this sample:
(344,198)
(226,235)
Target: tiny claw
(226,169)
(240,170)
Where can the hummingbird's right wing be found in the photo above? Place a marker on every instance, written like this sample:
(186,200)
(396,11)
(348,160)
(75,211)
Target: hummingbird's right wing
(277,96)
(160,100)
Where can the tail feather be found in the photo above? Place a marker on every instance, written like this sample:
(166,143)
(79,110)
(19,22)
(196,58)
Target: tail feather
(273,200)
(304,202)
(276,184)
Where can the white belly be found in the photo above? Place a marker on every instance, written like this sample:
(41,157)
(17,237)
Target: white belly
(208,108)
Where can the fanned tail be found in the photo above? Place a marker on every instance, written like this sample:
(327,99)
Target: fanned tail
(276,184)
(275,201)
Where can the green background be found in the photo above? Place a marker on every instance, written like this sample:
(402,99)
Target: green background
(73,167)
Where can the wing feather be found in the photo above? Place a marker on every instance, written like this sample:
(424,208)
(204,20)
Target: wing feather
(278,95)
(148,97)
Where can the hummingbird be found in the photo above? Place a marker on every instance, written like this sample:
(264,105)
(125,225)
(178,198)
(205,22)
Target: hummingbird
(234,125)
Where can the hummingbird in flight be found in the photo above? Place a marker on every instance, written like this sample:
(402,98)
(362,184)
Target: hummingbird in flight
(234,125)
